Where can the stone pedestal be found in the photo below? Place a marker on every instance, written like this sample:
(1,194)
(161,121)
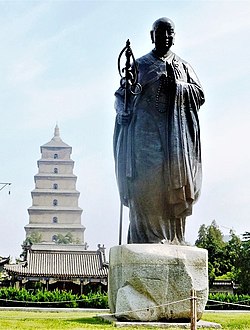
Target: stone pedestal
(152,282)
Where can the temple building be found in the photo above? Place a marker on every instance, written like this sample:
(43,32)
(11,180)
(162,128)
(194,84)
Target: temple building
(55,212)
(64,266)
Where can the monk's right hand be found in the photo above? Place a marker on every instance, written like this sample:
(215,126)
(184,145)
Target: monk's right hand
(124,118)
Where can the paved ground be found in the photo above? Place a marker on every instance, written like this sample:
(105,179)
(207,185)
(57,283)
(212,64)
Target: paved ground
(157,325)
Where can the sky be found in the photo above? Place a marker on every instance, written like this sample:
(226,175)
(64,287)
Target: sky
(58,64)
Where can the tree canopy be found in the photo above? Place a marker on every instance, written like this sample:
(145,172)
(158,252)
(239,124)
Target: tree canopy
(226,259)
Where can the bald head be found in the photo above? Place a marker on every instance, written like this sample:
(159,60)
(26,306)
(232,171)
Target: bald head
(163,22)
(162,35)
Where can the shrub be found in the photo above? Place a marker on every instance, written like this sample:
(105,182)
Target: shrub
(10,296)
(220,301)
(93,300)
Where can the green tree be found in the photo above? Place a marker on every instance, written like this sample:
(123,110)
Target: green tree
(34,238)
(64,239)
(211,238)
(244,264)
(226,259)
(233,250)
(202,237)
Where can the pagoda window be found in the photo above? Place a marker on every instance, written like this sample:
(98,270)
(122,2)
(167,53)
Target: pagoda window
(55,202)
(54,238)
(55,220)
(55,186)
(55,156)
(56,170)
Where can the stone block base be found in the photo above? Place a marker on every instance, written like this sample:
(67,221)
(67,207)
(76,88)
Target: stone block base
(152,282)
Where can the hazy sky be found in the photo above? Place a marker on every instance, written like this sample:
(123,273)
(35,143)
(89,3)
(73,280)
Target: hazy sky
(58,64)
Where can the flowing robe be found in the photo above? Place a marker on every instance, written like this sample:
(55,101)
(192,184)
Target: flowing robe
(157,155)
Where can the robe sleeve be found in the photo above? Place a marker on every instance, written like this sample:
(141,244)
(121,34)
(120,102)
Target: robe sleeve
(184,141)
(119,100)
(193,85)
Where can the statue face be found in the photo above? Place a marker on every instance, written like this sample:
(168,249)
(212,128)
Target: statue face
(163,37)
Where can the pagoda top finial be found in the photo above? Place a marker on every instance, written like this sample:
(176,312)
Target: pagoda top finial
(56,134)
(56,141)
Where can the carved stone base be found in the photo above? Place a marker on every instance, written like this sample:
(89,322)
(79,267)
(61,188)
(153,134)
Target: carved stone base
(152,282)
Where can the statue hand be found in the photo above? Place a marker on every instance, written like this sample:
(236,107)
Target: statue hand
(170,72)
(123,118)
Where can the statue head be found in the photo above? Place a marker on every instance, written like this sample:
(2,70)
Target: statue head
(162,35)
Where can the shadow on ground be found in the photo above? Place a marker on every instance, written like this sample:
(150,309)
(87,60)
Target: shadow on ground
(89,320)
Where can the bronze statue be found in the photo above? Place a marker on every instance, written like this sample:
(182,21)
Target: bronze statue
(157,143)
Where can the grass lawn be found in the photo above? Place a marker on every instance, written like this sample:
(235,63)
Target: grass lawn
(31,320)
(230,320)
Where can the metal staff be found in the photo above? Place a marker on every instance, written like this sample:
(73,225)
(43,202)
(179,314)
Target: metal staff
(4,184)
(129,82)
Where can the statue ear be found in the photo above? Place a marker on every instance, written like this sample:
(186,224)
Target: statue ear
(173,39)
(152,36)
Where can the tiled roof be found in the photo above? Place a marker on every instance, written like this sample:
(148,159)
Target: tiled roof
(4,260)
(61,264)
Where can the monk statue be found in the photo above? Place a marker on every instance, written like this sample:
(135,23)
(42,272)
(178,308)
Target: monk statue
(158,159)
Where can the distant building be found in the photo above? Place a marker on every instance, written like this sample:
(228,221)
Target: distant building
(55,209)
(67,267)
(3,275)
(55,214)
(4,261)
(223,286)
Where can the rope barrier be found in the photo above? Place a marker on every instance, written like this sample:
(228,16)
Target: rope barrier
(47,302)
(242,301)
(228,303)
(137,310)
(147,309)
(219,304)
